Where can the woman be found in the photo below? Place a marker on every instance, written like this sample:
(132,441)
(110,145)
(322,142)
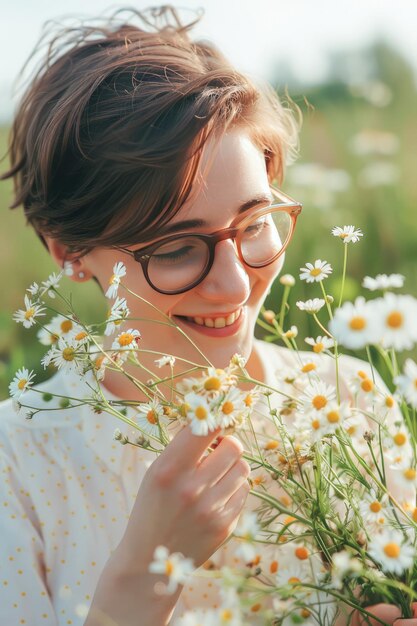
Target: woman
(133,145)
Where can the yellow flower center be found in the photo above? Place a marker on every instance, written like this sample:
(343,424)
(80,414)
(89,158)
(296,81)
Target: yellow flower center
(410,473)
(308,367)
(294,580)
(315,424)
(228,407)
(29,313)
(22,383)
(169,568)
(400,439)
(66,326)
(125,339)
(342,236)
(80,336)
(315,271)
(389,402)
(357,323)
(375,506)
(68,354)
(271,445)
(255,608)
(333,417)
(395,319)
(318,347)
(319,402)
(99,362)
(414,515)
(249,400)
(392,550)
(302,553)
(112,279)
(151,417)
(212,384)
(362,375)
(273,568)
(226,615)
(367,385)
(201,413)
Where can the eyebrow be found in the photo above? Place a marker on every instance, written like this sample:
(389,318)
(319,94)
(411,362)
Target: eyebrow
(198,223)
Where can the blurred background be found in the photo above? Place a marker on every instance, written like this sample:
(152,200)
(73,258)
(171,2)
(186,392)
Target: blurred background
(350,66)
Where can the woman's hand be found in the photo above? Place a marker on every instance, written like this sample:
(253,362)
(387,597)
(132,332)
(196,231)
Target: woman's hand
(386,612)
(187,503)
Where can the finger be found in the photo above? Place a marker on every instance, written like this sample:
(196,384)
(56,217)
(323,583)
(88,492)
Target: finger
(406,622)
(414,607)
(186,449)
(219,495)
(229,515)
(386,612)
(214,466)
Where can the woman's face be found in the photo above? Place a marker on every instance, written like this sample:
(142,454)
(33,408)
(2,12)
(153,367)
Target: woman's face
(233,172)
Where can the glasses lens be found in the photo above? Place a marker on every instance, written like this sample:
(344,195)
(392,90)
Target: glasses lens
(264,238)
(177,264)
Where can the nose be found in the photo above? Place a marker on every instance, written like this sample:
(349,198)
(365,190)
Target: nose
(228,280)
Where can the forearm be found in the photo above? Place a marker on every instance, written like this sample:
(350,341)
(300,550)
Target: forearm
(130,600)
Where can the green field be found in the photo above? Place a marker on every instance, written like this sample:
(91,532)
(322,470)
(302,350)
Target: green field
(357,165)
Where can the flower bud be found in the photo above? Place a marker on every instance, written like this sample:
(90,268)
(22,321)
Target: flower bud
(269,316)
(287,280)
(329,299)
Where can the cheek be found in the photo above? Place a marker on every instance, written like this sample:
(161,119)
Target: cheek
(268,274)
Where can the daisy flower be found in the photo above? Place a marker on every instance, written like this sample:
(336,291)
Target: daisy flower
(287,280)
(118,312)
(360,382)
(232,410)
(382,281)
(317,396)
(397,314)
(247,529)
(63,356)
(374,510)
(51,285)
(21,382)
(119,270)
(201,617)
(216,381)
(407,382)
(342,564)
(393,554)
(175,566)
(406,477)
(348,234)
(149,417)
(28,315)
(33,289)
(58,326)
(311,306)
(199,414)
(127,340)
(355,325)
(317,272)
(167,359)
(320,344)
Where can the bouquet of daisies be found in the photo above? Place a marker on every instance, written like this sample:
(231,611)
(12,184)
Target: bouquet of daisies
(331,522)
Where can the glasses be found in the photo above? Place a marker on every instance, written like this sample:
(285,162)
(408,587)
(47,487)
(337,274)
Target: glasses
(176,263)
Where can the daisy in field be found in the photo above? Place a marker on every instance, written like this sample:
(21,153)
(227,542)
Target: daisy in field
(175,566)
(356,324)
(119,270)
(348,234)
(393,554)
(21,382)
(317,396)
(149,417)
(397,314)
(407,382)
(116,315)
(320,344)
(382,281)
(317,272)
(127,340)
(311,306)
(28,315)
(199,414)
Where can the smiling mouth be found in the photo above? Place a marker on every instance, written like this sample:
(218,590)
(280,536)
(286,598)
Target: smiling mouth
(215,322)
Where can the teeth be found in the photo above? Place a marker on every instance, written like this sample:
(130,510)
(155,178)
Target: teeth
(216,322)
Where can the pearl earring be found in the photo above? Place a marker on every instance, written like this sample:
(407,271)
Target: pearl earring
(81,275)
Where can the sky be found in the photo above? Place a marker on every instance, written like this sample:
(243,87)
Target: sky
(257,35)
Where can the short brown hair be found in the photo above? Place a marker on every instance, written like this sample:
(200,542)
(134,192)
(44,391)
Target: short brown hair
(107,140)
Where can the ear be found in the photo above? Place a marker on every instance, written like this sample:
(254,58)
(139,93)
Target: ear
(74,265)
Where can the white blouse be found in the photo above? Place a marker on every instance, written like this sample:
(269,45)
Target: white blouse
(66,493)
